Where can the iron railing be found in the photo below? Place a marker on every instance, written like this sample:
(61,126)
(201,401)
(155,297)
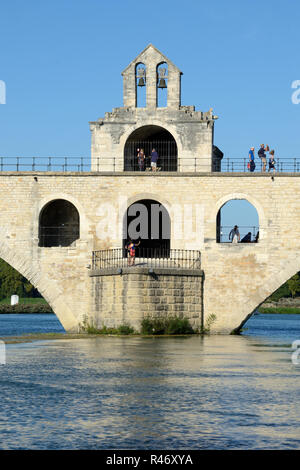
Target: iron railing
(63,235)
(244,230)
(164,164)
(240,165)
(167,151)
(146,257)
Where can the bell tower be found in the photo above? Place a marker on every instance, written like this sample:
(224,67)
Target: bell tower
(182,136)
(153,70)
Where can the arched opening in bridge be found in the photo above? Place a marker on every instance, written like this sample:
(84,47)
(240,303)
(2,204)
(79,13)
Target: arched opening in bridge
(18,295)
(240,213)
(278,316)
(148,221)
(58,224)
(149,138)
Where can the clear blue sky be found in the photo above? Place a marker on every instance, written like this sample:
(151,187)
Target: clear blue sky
(61,61)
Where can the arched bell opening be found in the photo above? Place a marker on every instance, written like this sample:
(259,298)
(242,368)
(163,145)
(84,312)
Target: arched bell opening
(140,85)
(162,85)
(148,222)
(58,224)
(149,138)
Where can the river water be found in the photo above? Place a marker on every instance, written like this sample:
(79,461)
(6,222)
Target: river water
(212,392)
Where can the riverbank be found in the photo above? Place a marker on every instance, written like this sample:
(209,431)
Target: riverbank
(284,305)
(285,310)
(29,338)
(25,305)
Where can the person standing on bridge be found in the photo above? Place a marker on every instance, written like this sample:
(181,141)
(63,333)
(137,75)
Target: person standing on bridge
(131,246)
(251,159)
(262,155)
(272,161)
(234,235)
(141,159)
(154,158)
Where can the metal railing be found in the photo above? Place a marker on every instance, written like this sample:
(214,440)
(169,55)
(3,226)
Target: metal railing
(240,165)
(77,164)
(244,230)
(146,257)
(164,164)
(58,236)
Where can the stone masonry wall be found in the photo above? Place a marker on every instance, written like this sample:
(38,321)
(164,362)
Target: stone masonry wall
(237,278)
(135,294)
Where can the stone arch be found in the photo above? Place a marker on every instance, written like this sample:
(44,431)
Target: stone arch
(84,223)
(59,224)
(48,288)
(148,137)
(267,288)
(145,195)
(154,227)
(243,196)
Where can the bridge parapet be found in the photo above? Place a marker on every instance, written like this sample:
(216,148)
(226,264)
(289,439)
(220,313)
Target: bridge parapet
(111,164)
(147,258)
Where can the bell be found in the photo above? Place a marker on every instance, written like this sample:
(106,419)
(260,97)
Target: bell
(162,83)
(141,82)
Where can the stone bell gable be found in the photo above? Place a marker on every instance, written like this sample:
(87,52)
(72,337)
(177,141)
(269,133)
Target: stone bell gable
(151,58)
(184,136)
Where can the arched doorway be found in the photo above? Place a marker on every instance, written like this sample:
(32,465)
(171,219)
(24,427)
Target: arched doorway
(148,221)
(240,213)
(58,224)
(147,138)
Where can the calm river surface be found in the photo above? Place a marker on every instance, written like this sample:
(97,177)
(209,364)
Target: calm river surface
(215,392)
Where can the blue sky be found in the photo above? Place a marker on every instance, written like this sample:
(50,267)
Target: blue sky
(62,62)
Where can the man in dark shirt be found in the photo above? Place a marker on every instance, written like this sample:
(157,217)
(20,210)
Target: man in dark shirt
(154,158)
(262,156)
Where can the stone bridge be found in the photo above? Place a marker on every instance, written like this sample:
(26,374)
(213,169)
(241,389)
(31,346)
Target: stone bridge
(52,222)
(237,277)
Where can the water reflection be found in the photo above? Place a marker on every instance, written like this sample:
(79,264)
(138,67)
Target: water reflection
(214,392)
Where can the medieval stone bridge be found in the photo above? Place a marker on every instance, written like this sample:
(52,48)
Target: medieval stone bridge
(52,221)
(237,277)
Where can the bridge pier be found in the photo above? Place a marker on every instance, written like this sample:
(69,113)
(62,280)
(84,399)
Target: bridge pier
(128,295)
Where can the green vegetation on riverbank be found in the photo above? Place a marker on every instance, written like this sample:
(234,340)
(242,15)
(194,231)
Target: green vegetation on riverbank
(149,326)
(285,310)
(166,326)
(25,305)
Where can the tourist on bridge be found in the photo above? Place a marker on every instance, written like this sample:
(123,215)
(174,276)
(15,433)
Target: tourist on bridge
(234,235)
(262,155)
(251,159)
(141,159)
(272,161)
(131,246)
(246,238)
(154,158)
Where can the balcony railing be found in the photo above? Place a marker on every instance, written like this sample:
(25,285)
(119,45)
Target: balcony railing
(58,236)
(147,257)
(115,164)
(244,230)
